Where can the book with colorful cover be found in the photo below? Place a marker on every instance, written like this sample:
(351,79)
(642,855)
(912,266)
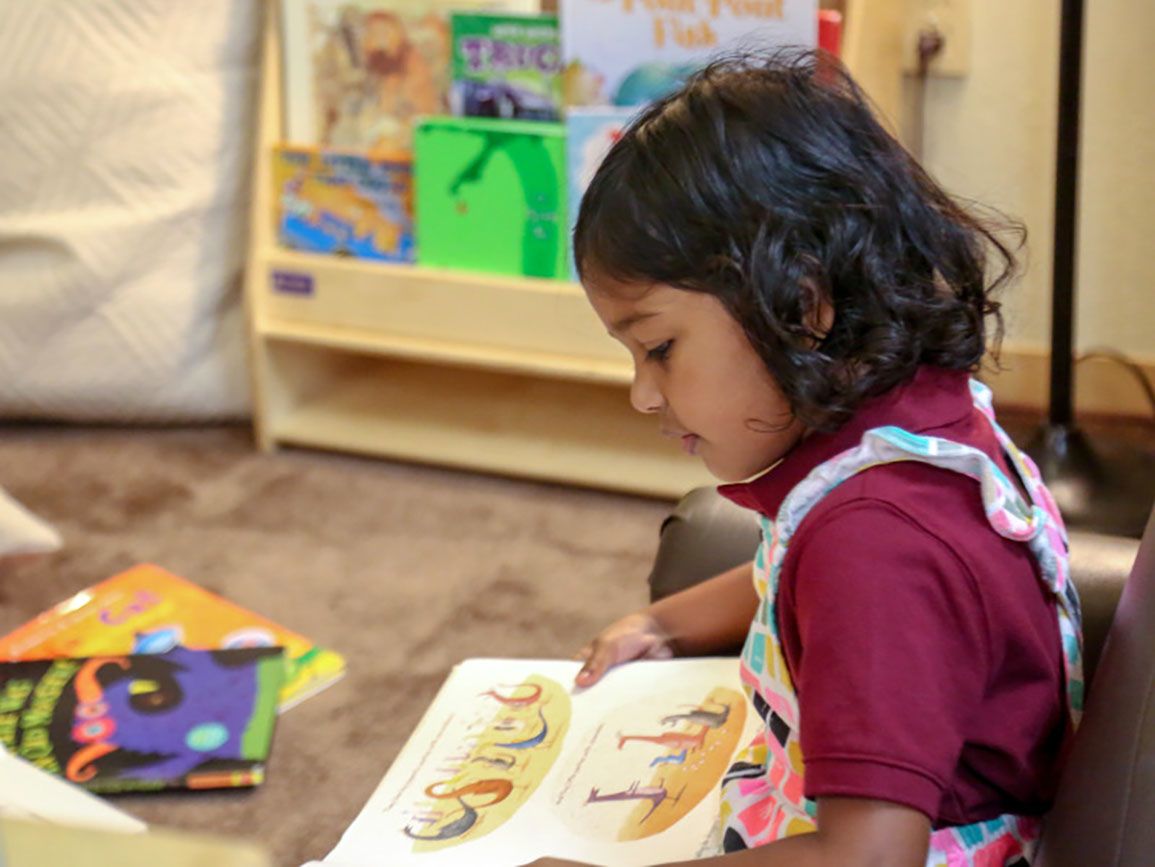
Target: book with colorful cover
(511,763)
(629,53)
(491,196)
(197,719)
(149,610)
(506,66)
(342,203)
(358,73)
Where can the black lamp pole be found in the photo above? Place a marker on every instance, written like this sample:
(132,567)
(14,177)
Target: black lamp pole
(1066,215)
(1107,488)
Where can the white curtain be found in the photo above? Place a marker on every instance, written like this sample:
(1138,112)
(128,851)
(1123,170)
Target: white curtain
(125,149)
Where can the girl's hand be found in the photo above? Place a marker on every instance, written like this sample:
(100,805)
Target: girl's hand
(635,636)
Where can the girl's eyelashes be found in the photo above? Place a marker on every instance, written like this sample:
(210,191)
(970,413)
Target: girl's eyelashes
(660,352)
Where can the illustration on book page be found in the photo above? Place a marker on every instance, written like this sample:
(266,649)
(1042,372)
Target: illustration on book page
(505,752)
(647,765)
(510,763)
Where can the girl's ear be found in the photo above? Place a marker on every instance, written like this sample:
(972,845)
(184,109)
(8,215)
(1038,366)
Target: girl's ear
(819,318)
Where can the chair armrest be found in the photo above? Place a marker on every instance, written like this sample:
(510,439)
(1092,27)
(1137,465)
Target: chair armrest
(704,536)
(1099,567)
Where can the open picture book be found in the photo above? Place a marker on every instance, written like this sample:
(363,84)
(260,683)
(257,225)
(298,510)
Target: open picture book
(511,763)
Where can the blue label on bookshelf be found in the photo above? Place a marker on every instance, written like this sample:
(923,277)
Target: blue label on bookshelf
(292,283)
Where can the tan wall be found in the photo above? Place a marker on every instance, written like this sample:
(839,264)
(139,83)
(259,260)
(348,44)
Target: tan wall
(990,136)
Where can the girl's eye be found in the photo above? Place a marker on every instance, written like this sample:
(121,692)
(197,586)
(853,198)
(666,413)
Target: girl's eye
(660,352)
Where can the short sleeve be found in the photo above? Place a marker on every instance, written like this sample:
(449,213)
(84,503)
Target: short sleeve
(884,633)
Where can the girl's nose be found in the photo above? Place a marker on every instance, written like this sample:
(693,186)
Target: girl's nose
(645,396)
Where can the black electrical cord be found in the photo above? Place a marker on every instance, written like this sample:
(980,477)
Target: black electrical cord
(1107,354)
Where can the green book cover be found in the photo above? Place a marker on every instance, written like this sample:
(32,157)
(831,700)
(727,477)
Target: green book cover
(506,66)
(491,196)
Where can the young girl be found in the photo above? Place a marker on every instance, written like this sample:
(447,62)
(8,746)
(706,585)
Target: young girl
(804,305)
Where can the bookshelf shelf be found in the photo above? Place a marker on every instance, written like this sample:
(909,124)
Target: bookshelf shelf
(450,354)
(511,424)
(492,373)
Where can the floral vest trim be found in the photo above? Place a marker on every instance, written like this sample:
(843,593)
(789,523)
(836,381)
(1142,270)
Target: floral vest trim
(762,793)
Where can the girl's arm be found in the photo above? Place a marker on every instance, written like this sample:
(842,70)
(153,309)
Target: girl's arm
(852,832)
(710,617)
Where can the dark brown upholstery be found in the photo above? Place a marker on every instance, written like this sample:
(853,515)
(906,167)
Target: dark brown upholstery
(1104,815)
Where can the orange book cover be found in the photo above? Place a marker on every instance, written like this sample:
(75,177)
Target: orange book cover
(150,610)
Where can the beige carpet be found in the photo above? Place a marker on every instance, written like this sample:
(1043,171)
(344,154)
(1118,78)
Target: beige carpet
(403,569)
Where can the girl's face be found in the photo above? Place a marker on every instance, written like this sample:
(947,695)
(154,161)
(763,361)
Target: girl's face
(695,369)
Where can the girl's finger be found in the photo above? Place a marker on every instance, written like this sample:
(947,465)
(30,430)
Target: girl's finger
(660,650)
(597,662)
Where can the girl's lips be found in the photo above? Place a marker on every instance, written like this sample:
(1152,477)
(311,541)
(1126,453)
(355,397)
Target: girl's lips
(690,443)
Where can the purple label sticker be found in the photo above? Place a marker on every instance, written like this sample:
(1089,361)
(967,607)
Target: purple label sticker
(292,283)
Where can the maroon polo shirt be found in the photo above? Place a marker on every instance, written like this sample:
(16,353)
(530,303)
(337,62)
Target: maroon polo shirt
(923,647)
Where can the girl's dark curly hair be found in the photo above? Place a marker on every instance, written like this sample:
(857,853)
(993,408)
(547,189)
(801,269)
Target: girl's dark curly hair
(767,182)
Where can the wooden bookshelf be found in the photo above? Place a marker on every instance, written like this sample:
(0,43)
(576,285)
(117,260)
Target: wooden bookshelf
(495,374)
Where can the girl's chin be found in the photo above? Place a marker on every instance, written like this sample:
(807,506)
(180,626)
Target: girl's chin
(731,474)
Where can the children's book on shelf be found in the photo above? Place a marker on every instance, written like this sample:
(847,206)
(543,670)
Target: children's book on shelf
(343,203)
(510,764)
(590,133)
(198,719)
(357,73)
(506,66)
(149,610)
(830,31)
(491,196)
(626,52)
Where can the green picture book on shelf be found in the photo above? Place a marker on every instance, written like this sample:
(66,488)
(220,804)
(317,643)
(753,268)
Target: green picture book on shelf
(490,196)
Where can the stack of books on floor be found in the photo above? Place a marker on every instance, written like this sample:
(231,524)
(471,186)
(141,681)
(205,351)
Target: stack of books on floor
(144,682)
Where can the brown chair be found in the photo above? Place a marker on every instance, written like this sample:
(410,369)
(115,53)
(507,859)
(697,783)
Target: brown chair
(1104,813)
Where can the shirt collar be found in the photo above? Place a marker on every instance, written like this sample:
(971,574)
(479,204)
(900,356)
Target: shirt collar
(934,398)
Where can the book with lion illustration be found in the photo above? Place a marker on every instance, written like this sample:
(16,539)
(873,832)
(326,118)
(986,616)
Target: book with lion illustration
(512,763)
(358,73)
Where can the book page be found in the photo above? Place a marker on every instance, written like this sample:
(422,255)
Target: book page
(31,844)
(29,794)
(512,763)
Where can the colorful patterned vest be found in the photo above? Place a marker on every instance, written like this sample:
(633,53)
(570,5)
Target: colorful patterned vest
(762,793)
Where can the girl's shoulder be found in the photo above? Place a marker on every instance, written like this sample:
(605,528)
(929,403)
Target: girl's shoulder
(909,513)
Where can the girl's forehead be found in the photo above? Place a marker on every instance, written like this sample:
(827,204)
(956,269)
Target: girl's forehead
(633,296)
(598,283)
(619,311)
(620,305)
(647,295)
